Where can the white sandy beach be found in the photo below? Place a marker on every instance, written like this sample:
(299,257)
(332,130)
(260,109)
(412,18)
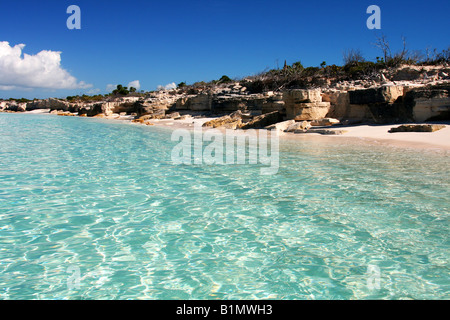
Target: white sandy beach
(364,133)
(380,133)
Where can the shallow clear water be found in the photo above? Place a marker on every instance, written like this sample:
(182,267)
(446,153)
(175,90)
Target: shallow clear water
(103,198)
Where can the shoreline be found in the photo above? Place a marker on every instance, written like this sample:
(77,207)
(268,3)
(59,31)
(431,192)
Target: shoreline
(369,134)
(363,133)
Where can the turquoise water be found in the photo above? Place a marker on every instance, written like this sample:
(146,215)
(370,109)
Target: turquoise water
(102,199)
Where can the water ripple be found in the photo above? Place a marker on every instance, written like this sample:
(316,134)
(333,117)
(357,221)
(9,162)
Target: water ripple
(105,198)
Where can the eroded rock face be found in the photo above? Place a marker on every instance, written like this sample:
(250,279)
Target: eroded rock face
(428,103)
(183,103)
(307,111)
(271,105)
(230,103)
(305,105)
(384,94)
(144,107)
(340,103)
(228,100)
(51,103)
(12,106)
(296,96)
(386,104)
(22,107)
(201,102)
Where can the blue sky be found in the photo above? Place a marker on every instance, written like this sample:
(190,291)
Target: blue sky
(159,42)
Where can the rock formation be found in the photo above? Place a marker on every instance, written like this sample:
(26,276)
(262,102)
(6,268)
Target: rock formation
(419,95)
(418,128)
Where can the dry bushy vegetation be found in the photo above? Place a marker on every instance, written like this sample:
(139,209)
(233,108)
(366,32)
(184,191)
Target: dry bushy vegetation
(355,67)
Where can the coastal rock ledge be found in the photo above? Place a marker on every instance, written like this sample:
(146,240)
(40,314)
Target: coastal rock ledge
(288,110)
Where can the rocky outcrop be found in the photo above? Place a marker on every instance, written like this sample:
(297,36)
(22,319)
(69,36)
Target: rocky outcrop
(383,104)
(230,103)
(108,108)
(183,103)
(325,122)
(323,131)
(173,115)
(51,103)
(281,126)
(263,120)
(407,74)
(340,103)
(274,102)
(220,122)
(11,106)
(143,107)
(201,102)
(232,121)
(305,105)
(384,94)
(391,104)
(428,103)
(297,126)
(307,111)
(225,122)
(418,128)
(359,101)
(21,107)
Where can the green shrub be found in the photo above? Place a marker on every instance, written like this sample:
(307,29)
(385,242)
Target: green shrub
(121,90)
(297,66)
(225,79)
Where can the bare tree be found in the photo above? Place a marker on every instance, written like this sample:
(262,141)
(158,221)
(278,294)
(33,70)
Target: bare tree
(383,45)
(391,59)
(353,56)
(416,56)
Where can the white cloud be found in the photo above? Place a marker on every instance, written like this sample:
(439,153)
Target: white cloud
(8,87)
(42,70)
(168,86)
(135,84)
(110,87)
